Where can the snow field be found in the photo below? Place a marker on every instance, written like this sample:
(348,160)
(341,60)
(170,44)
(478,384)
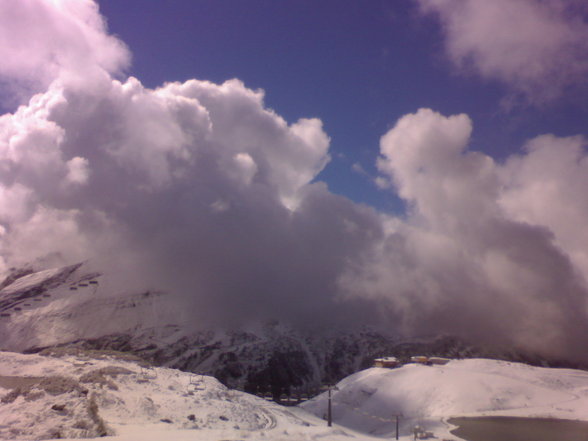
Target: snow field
(131,402)
(91,393)
(429,395)
(31,280)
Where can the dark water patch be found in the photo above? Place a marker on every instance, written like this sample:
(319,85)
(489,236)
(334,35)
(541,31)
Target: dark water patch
(499,428)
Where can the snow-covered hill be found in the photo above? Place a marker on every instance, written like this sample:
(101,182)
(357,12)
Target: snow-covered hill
(429,395)
(80,394)
(92,393)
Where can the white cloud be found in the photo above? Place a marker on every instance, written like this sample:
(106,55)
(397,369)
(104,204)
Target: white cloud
(195,187)
(246,167)
(41,41)
(45,233)
(199,188)
(356,167)
(245,126)
(537,48)
(485,249)
(545,187)
(77,170)
(219,206)
(16,202)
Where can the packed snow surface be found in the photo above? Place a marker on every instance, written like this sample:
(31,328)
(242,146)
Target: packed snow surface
(429,395)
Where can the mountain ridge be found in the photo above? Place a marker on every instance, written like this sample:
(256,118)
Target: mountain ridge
(268,357)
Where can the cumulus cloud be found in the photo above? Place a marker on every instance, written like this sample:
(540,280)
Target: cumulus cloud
(481,251)
(545,188)
(77,170)
(537,48)
(198,183)
(42,41)
(196,188)
(199,189)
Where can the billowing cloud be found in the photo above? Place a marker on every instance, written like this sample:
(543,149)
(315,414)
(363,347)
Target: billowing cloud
(194,187)
(197,183)
(44,41)
(537,48)
(484,250)
(545,187)
(199,189)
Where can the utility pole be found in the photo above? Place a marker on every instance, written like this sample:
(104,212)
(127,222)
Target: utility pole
(396,426)
(329,405)
(329,410)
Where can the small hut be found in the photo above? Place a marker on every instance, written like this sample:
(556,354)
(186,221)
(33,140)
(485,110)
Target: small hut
(422,359)
(439,360)
(386,362)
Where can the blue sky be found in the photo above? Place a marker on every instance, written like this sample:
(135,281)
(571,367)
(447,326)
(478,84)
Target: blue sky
(356,65)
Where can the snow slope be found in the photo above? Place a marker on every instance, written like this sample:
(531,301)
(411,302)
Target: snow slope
(428,395)
(75,302)
(91,393)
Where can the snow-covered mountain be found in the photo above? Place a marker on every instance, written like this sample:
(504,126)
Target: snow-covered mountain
(76,394)
(77,306)
(60,305)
